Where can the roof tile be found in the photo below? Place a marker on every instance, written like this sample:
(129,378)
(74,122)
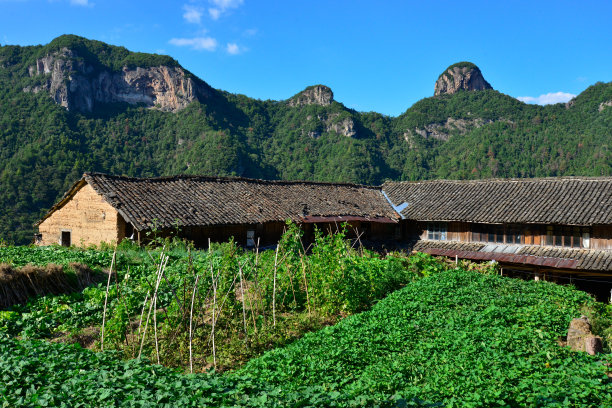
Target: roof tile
(199,201)
(568,200)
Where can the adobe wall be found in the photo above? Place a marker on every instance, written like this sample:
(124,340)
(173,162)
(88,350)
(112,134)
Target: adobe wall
(89,218)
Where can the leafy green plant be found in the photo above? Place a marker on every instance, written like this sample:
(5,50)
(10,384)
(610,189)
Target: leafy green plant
(253,300)
(459,338)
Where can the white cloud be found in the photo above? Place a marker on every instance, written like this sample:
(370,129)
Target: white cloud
(221,6)
(84,3)
(214,13)
(197,43)
(233,49)
(250,32)
(547,99)
(227,4)
(192,14)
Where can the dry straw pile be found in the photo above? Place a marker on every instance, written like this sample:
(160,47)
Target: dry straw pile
(19,284)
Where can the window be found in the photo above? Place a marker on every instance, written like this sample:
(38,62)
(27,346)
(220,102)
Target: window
(586,241)
(513,235)
(549,235)
(436,231)
(489,233)
(129,230)
(576,238)
(568,237)
(492,233)
(499,234)
(476,232)
(65,238)
(250,238)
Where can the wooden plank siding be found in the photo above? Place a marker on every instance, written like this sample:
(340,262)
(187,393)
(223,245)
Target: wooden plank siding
(600,236)
(379,231)
(459,231)
(267,233)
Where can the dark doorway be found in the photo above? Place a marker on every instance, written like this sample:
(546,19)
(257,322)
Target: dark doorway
(65,240)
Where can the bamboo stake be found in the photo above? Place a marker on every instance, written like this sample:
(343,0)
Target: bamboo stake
(144,304)
(291,282)
(161,274)
(144,333)
(243,303)
(257,287)
(358,239)
(212,275)
(274,288)
(220,308)
(305,282)
(190,324)
(252,310)
(155,327)
(160,270)
(127,342)
(110,273)
(191,270)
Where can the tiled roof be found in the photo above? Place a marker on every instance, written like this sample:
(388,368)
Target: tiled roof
(553,257)
(199,201)
(570,200)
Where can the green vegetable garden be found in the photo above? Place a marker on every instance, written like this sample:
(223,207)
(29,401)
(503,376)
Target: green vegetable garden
(324,325)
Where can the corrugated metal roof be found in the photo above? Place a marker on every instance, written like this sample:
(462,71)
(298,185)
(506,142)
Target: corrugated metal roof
(560,258)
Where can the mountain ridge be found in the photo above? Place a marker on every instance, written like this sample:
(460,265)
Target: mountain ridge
(45,147)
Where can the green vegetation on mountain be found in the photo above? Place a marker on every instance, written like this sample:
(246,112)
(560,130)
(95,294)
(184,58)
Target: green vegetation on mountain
(44,148)
(462,64)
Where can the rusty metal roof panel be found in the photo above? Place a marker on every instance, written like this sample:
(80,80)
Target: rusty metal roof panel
(345,218)
(550,262)
(567,264)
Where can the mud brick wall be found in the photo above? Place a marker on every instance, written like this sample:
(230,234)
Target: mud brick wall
(87,216)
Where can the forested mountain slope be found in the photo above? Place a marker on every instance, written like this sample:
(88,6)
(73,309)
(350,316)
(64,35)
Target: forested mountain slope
(78,105)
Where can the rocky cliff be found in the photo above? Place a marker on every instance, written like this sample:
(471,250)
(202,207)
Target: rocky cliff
(77,85)
(335,122)
(313,95)
(461,76)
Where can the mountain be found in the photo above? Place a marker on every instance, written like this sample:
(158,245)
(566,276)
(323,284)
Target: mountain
(462,76)
(77,105)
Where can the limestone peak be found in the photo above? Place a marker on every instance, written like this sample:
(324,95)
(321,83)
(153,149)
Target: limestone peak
(313,95)
(460,76)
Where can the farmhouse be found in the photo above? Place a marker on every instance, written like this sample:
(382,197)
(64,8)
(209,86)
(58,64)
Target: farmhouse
(102,208)
(556,229)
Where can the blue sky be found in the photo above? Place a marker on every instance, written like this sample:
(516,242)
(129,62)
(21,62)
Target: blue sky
(376,56)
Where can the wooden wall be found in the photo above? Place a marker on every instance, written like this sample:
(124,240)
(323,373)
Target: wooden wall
(88,218)
(459,231)
(380,231)
(268,233)
(534,235)
(601,237)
